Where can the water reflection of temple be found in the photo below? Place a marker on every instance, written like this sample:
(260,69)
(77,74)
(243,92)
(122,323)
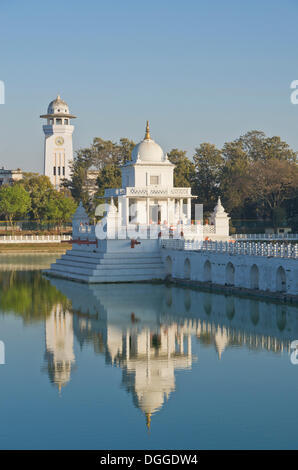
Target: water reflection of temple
(148,360)
(147,331)
(59,346)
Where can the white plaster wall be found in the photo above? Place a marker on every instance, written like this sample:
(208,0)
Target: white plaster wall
(242,264)
(51,133)
(139,175)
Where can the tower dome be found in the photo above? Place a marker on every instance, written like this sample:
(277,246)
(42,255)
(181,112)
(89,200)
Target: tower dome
(147,150)
(58,106)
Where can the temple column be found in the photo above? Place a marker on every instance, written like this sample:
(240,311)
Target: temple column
(127,345)
(189,210)
(180,209)
(147,210)
(127,210)
(189,345)
(181,343)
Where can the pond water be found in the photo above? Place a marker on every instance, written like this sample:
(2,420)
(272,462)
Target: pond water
(128,366)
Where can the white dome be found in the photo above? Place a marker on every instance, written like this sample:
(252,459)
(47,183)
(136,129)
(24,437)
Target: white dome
(147,150)
(58,106)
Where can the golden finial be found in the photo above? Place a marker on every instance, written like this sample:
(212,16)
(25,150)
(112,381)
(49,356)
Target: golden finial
(148,417)
(147,134)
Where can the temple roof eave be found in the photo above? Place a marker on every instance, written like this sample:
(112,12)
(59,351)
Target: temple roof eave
(146,163)
(58,115)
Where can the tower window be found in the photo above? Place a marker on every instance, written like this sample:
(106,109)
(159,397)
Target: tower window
(63,171)
(58,170)
(54,170)
(58,121)
(154,179)
(65,121)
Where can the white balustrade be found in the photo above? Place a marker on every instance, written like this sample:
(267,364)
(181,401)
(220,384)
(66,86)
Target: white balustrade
(264,236)
(276,250)
(34,238)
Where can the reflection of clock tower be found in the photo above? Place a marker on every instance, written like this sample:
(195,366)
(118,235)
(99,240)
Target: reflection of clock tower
(58,152)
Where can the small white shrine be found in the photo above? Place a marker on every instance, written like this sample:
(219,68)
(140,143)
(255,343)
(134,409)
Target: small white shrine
(148,195)
(124,245)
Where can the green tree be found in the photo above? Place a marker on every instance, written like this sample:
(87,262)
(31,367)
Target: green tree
(235,177)
(109,177)
(59,208)
(272,182)
(39,188)
(257,146)
(14,202)
(104,157)
(208,163)
(184,171)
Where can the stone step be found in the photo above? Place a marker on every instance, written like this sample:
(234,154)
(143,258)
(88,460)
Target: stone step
(101,266)
(123,269)
(104,278)
(100,255)
(80,261)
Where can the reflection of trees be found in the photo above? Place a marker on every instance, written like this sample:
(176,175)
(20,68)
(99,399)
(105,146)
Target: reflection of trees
(28,294)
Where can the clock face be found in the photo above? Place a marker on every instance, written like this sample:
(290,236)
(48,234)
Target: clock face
(59,141)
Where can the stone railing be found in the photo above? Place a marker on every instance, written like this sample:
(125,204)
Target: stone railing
(276,250)
(208,229)
(148,191)
(34,238)
(265,236)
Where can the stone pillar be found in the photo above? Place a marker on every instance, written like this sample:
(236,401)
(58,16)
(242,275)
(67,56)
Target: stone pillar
(189,345)
(127,345)
(181,209)
(147,210)
(127,210)
(189,210)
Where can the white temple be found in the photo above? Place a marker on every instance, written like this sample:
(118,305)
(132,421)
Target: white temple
(148,195)
(124,245)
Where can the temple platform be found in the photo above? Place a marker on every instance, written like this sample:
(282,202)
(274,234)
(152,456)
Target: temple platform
(94,266)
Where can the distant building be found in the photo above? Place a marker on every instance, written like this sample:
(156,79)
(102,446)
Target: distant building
(91,184)
(10,176)
(58,149)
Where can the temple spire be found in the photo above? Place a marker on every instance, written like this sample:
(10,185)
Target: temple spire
(147,134)
(148,417)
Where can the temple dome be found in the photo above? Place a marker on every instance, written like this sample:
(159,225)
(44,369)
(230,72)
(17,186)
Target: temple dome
(58,106)
(147,150)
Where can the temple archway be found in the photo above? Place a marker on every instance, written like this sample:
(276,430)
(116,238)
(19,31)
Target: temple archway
(187,269)
(254,277)
(281,280)
(207,275)
(230,274)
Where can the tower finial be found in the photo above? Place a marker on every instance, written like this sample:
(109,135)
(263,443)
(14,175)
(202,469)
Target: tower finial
(147,134)
(148,417)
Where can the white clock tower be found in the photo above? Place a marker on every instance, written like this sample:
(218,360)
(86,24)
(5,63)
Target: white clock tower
(58,151)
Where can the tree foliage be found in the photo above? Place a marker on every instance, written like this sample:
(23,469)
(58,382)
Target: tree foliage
(14,202)
(184,169)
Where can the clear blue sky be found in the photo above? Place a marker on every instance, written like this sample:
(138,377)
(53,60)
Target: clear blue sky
(198,70)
